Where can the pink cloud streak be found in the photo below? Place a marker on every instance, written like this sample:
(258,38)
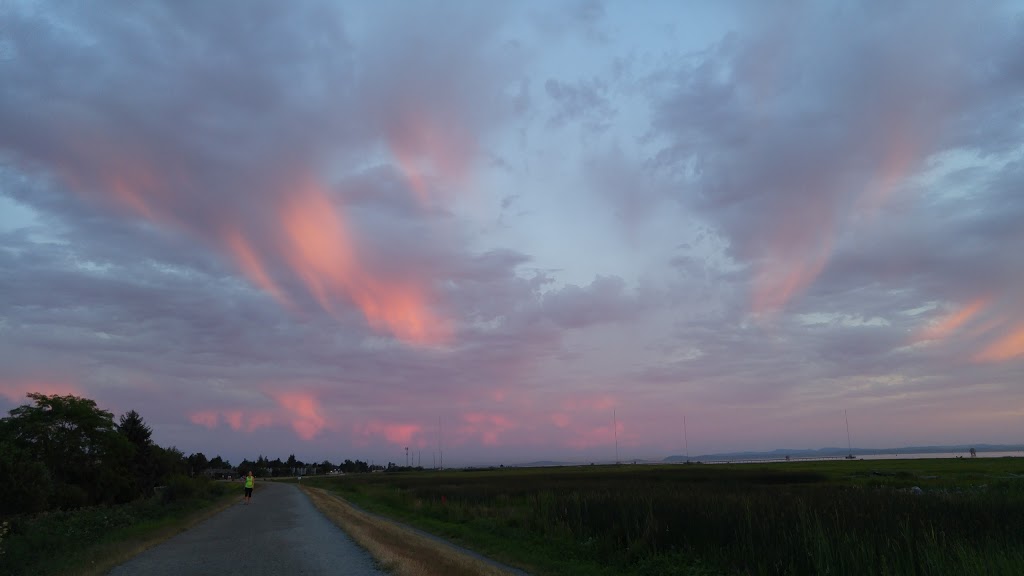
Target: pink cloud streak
(16,391)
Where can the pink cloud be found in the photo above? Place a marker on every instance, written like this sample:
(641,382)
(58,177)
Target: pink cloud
(1002,333)
(792,255)
(304,412)
(16,391)
(952,322)
(259,420)
(233,418)
(1007,347)
(207,418)
(399,434)
(560,419)
(429,150)
(594,436)
(488,427)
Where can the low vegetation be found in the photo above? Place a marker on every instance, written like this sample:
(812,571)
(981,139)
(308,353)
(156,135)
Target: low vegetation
(94,539)
(866,517)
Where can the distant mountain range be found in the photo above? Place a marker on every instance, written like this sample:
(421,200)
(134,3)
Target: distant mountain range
(834,451)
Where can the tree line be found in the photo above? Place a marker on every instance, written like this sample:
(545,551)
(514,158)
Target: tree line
(294,467)
(263,466)
(63,452)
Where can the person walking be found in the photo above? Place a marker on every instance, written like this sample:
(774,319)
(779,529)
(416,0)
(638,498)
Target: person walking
(250,483)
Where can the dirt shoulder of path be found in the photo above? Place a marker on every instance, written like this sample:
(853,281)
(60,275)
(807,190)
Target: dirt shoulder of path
(400,549)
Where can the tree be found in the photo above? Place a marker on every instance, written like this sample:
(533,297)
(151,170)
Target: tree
(78,444)
(143,465)
(169,462)
(132,427)
(245,466)
(27,485)
(218,462)
(197,463)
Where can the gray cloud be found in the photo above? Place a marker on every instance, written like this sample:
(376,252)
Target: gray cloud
(848,173)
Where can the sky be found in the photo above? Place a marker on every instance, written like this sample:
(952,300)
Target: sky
(505,232)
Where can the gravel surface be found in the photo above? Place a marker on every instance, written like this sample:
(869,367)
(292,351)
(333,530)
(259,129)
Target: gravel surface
(280,532)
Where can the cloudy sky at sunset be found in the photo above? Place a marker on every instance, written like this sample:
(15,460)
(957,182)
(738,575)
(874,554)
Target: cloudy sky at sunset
(325,228)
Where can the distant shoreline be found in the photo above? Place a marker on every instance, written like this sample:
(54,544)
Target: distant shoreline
(803,455)
(908,452)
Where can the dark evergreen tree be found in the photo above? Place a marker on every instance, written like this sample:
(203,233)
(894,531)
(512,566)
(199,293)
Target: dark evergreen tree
(143,464)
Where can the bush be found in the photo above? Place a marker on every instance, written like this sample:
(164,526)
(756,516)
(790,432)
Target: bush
(69,497)
(181,487)
(5,527)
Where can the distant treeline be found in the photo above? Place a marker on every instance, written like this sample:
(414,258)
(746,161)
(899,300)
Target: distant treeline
(64,453)
(263,466)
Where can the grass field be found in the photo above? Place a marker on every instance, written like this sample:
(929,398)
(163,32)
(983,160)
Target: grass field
(957,516)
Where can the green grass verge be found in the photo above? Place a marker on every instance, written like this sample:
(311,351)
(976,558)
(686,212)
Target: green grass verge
(91,541)
(846,517)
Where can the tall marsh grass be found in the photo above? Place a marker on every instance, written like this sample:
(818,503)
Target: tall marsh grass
(700,520)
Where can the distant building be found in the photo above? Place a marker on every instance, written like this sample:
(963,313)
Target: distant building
(220,473)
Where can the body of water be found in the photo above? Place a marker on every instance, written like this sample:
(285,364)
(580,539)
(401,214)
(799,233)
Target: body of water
(866,456)
(908,456)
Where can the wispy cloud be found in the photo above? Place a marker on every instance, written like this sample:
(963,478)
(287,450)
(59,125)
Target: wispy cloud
(347,229)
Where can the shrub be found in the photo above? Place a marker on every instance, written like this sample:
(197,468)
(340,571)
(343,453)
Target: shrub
(4,529)
(69,497)
(181,487)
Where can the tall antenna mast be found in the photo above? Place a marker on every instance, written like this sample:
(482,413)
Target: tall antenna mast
(685,443)
(849,445)
(615,427)
(440,454)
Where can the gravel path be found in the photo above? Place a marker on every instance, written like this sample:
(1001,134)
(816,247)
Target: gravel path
(280,532)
